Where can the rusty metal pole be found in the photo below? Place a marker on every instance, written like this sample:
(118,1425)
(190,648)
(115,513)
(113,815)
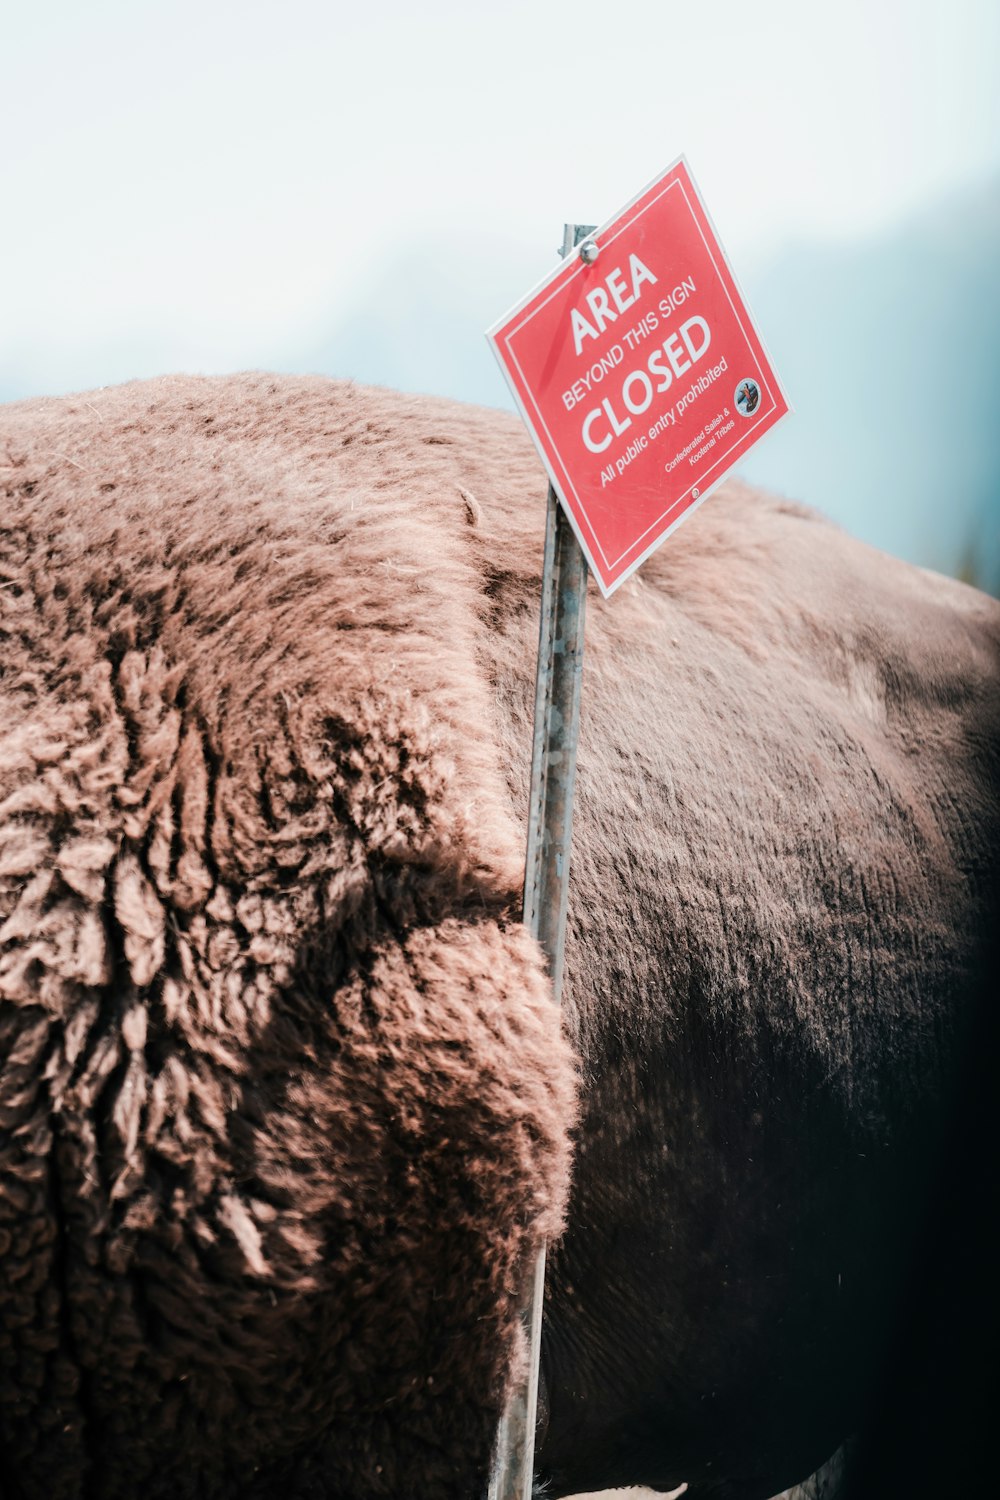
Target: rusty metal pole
(546,880)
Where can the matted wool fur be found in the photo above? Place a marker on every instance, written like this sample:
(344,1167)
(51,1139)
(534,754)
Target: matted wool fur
(284,1097)
(285,1102)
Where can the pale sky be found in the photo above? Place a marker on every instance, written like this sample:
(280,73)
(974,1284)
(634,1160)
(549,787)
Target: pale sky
(191,185)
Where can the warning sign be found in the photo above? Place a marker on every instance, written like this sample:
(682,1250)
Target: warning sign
(640,373)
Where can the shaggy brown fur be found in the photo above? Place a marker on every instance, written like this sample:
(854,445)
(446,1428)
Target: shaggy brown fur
(285,1103)
(284,1098)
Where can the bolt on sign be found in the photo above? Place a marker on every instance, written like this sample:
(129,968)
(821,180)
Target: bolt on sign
(640,373)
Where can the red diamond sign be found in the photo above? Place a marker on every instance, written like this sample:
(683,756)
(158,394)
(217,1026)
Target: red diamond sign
(640,373)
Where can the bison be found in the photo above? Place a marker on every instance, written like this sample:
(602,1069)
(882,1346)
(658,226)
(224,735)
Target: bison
(286,1105)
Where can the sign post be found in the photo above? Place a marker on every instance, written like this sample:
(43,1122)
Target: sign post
(643,381)
(546,879)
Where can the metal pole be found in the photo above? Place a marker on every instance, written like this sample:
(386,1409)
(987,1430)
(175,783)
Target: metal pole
(546,880)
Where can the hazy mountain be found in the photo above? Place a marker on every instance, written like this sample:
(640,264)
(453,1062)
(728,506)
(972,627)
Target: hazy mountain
(891,354)
(419,323)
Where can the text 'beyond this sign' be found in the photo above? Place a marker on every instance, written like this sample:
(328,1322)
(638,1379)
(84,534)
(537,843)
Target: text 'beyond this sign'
(641,375)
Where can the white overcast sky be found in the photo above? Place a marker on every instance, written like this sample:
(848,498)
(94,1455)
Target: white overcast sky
(193,184)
